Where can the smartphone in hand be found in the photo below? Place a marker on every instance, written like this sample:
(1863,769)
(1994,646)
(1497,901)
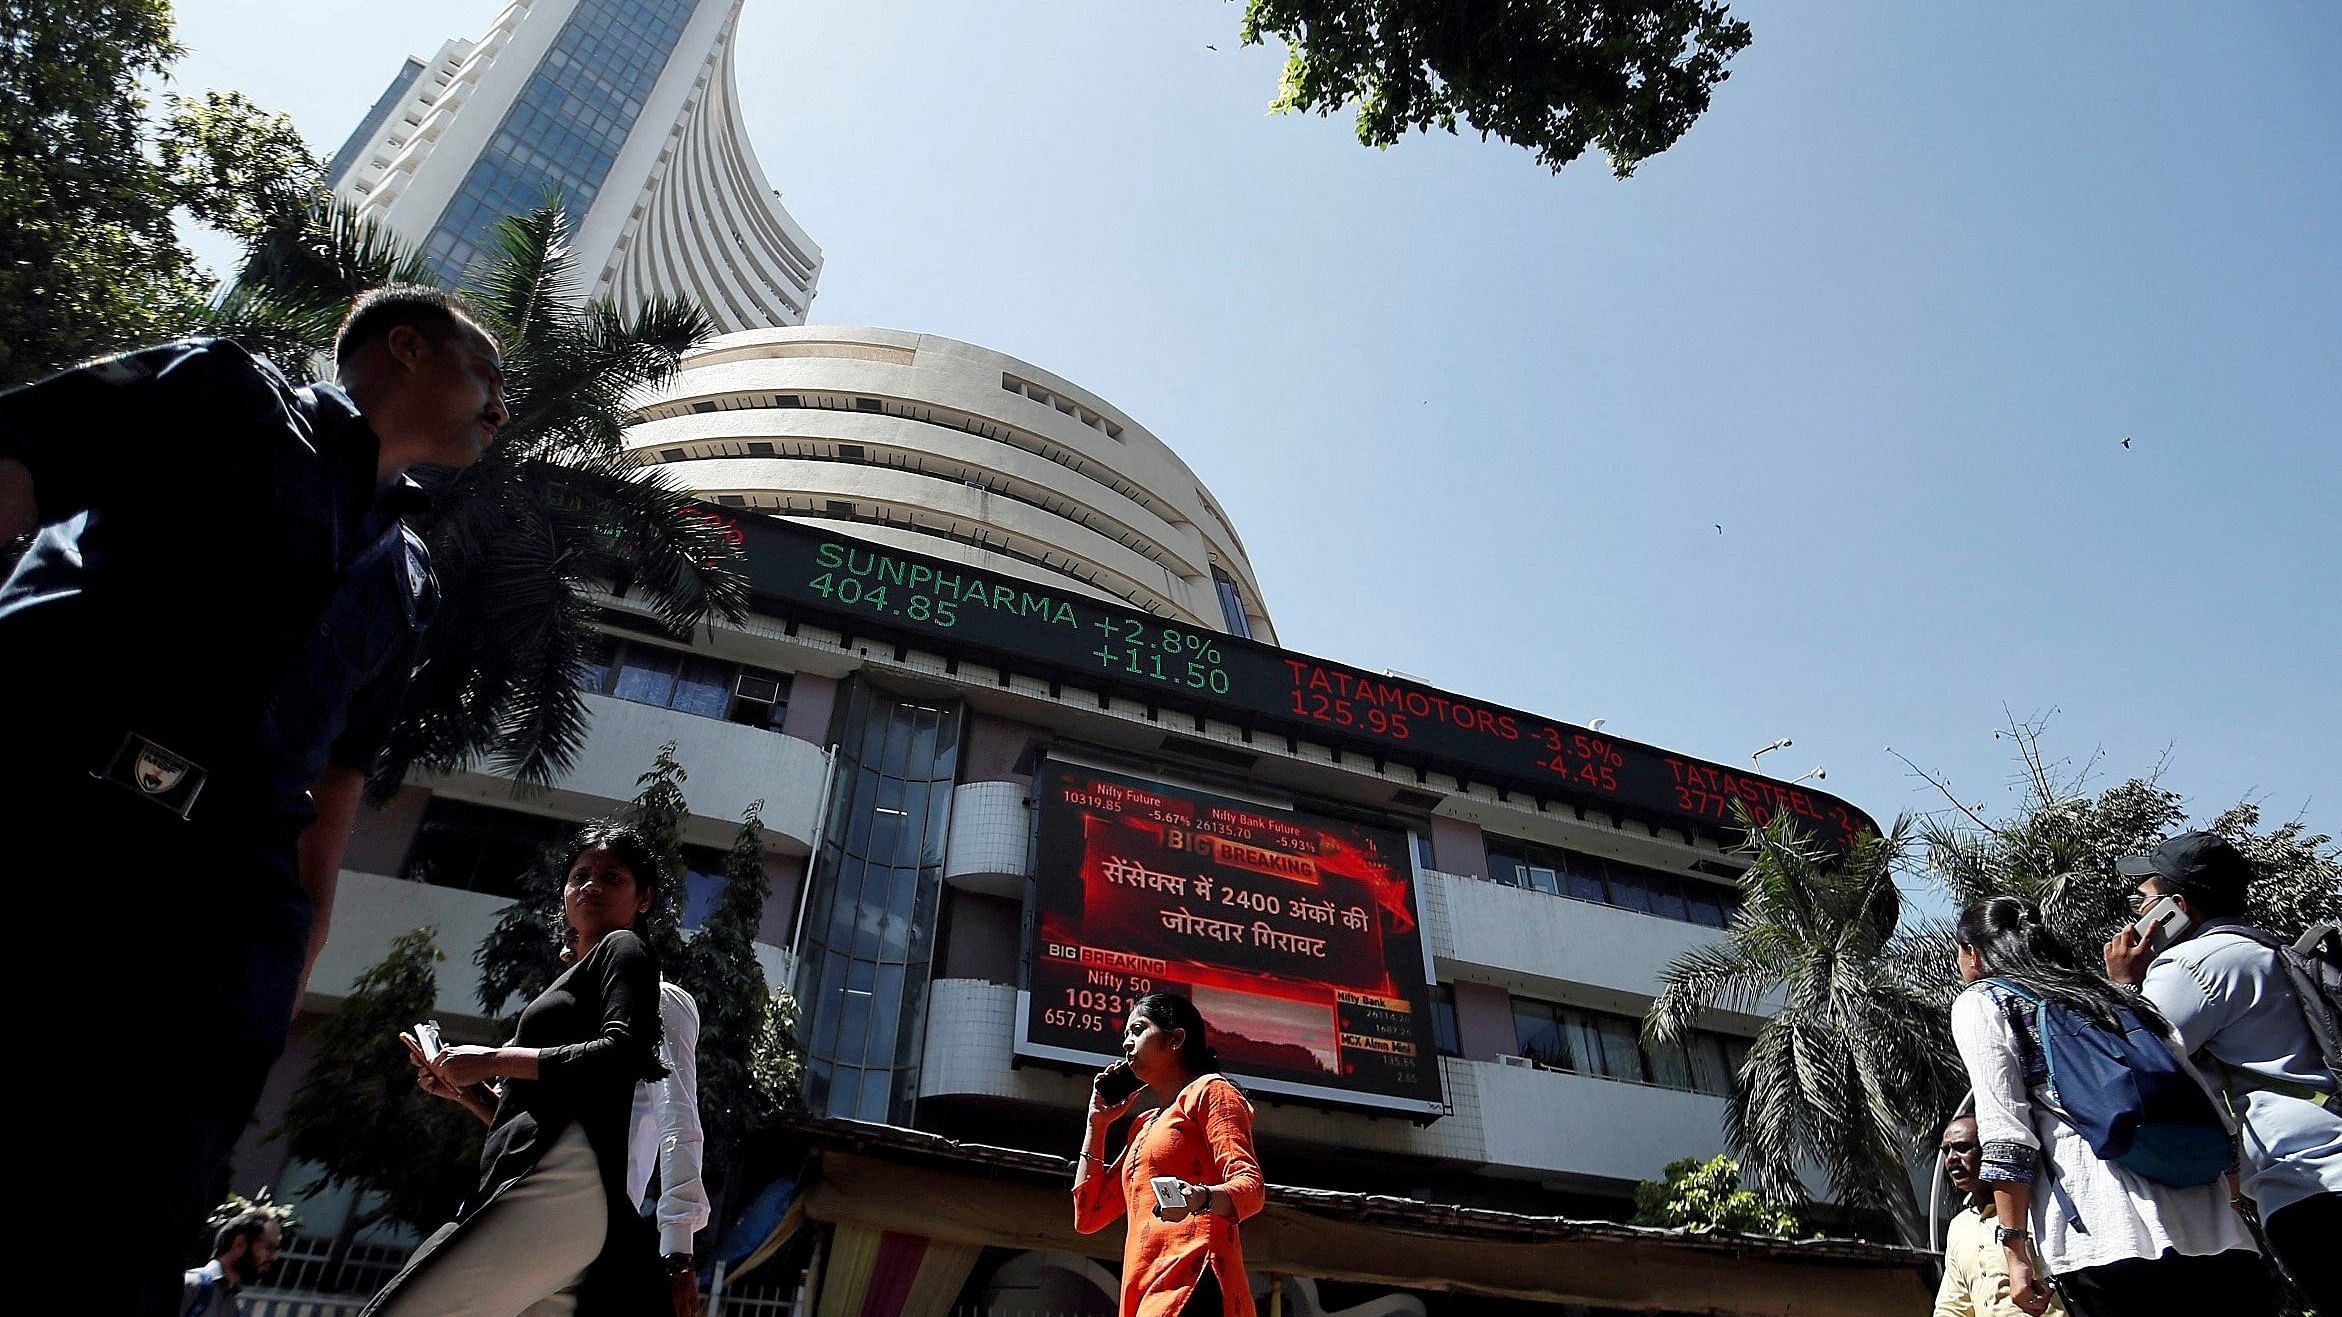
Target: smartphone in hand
(427,1036)
(1170,1193)
(2162,923)
(1115,1083)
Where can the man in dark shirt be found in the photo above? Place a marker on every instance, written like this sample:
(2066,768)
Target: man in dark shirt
(244,1251)
(200,657)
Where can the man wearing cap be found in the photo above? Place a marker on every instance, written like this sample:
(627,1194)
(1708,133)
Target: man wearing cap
(2229,997)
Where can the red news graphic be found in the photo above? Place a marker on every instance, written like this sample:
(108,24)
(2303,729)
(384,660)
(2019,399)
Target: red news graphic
(1296,936)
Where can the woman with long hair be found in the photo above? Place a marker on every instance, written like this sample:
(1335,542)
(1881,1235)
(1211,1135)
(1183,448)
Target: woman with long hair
(550,1229)
(2117,1243)
(1198,1141)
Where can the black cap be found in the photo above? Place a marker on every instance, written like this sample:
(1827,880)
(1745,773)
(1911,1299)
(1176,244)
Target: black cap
(2194,862)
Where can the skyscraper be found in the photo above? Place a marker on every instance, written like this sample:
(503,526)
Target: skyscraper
(626,108)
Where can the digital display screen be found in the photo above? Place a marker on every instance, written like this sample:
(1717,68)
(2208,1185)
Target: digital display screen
(865,588)
(1298,937)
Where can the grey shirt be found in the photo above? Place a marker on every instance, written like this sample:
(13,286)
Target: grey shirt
(2228,997)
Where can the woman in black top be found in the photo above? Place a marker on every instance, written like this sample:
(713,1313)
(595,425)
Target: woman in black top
(550,1230)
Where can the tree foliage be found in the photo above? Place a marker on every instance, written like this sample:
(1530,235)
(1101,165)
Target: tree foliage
(2058,844)
(1709,1195)
(358,1115)
(88,260)
(1849,1072)
(736,1012)
(1628,77)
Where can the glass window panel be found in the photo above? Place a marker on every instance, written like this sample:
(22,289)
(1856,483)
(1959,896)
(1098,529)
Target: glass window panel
(1703,904)
(1444,1037)
(896,944)
(593,671)
(701,890)
(938,822)
(1504,868)
(703,686)
(1543,880)
(1585,1041)
(1669,1065)
(858,818)
(1666,896)
(646,675)
(886,1012)
(845,1092)
(1425,856)
(870,916)
(833,983)
(1628,891)
(1536,1034)
(1583,878)
(920,760)
(854,1025)
(875,1087)
(1711,1069)
(1622,1056)
(847,899)
(896,759)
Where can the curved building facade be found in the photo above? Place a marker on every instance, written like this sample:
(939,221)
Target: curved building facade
(956,451)
(629,110)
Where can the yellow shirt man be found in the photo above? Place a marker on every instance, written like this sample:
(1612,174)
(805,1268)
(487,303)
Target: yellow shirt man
(1976,1271)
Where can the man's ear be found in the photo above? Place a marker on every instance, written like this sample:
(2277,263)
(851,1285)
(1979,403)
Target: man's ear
(406,344)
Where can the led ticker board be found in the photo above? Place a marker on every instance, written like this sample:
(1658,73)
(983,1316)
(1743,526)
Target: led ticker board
(1297,937)
(868,588)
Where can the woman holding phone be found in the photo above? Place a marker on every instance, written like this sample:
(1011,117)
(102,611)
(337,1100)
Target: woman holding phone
(1189,1157)
(550,1229)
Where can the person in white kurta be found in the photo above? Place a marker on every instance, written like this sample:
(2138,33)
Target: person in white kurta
(665,1136)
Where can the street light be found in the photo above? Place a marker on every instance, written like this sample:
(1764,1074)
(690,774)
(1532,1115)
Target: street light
(1817,773)
(1781,744)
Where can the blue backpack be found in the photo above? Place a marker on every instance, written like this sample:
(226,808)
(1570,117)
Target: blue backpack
(2129,1098)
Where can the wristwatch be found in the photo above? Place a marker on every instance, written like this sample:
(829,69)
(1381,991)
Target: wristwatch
(2003,1235)
(675,1263)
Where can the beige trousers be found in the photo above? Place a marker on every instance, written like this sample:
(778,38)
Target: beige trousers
(525,1253)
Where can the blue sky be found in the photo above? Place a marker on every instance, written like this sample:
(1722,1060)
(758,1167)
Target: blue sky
(1885,315)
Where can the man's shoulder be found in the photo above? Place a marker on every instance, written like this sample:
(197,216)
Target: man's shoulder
(2224,948)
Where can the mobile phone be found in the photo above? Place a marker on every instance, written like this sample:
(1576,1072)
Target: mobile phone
(1115,1083)
(1170,1194)
(427,1036)
(2163,923)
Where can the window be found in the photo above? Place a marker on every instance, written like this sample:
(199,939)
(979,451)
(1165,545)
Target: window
(1582,877)
(474,848)
(1444,1038)
(1424,855)
(1609,1046)
(1540,1033)
(1231,604)
(696,684)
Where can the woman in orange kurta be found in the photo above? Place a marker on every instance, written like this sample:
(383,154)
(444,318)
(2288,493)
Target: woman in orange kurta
(1179,1261)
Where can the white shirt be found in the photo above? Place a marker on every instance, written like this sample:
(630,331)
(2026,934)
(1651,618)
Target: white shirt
(2116,1215)
(665,1133)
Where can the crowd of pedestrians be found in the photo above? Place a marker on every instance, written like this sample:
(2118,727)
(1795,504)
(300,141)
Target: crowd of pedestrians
(2130,1113)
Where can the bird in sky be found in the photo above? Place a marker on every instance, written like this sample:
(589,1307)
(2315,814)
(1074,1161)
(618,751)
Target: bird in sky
(1209,46)
(2126,441)
(1719,528)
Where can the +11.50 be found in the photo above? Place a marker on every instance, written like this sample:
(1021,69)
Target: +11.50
(1166,654)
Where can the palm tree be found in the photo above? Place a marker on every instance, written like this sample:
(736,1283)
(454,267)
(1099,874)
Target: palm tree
(521,539)
(1856,1065)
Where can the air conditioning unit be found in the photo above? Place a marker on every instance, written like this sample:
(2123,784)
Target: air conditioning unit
(764,690)
(1524,1062)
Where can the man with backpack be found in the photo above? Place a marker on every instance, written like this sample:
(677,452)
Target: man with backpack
(2263,1012)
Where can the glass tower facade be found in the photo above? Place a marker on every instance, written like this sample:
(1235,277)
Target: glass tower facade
(564,130)
(870,921)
